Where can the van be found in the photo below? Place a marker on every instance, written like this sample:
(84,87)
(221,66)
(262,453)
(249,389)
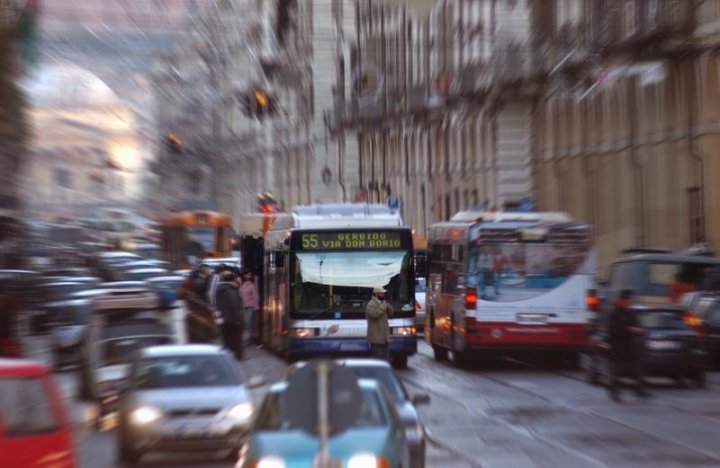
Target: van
(122,321)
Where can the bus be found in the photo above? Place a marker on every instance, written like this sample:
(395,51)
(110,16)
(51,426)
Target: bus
(321,265)
(506,281)
(190,236)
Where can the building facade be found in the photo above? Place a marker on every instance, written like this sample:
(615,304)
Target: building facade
(441,105)
(604,109)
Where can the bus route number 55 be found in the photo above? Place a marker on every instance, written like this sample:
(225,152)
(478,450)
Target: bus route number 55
(309,241)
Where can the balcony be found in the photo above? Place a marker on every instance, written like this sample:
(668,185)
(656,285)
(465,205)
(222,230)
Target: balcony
(514,63)
(624,25)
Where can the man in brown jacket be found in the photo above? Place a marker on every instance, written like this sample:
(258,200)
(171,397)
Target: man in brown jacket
(378,331)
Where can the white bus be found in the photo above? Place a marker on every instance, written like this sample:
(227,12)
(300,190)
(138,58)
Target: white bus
(321,265)
(508,281)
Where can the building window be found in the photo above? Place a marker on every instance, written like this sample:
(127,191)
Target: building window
(448,206)
(62,178)
(697,215)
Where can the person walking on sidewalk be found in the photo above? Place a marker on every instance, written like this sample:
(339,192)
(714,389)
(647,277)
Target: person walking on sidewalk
(378,331)
(249,296)
(625,339)
(229,307)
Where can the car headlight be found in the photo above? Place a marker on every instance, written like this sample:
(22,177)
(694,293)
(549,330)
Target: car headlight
(241,412)
(269,462)
(367,460)
(403,331)
(145,415)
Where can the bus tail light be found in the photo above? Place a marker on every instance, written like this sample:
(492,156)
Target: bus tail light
(592,301)
(470,298)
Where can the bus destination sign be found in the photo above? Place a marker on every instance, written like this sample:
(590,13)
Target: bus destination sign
(339,240)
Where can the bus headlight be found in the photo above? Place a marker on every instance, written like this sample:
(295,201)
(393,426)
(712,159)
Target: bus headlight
(403,331)
(302,332)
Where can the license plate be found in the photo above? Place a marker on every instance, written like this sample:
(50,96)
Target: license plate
(193,430)
(352,347)
(662,345)
(532,318)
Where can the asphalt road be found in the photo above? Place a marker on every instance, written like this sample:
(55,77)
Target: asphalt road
(509,413)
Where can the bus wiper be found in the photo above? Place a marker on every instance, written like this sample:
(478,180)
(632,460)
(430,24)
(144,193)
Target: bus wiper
(318,314)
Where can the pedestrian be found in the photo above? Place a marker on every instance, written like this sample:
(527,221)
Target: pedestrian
(625,340)
(249,296)
(200,281)
(215,279)
(500,263)
(229,311)
(378,331)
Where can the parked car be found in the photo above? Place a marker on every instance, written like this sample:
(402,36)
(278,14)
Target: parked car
(671,347)
(405,405)
(34,425)
(68,320)
(376,438)
(190,397)
(143,274)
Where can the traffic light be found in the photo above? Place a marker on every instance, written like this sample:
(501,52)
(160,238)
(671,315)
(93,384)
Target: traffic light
(173,143)
(258,103)
(266,203)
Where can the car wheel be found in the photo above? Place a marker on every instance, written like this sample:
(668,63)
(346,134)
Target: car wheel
(400,361)
(460,359)
(699,379)
(440,354)
(679,381)
(591,373)
(127,454)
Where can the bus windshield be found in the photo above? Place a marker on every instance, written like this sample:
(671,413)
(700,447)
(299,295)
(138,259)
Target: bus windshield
(204,235)
(344,281)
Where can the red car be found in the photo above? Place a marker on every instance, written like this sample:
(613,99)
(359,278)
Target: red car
(34,427)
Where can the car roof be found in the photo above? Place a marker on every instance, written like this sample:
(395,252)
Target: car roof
(669,258)
(117,254)
(369,384)
(658,307)
(182,350)
(11,366)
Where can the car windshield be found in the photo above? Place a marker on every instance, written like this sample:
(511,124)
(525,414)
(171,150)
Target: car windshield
(662,319)
(386,377)
(120,350)
(344,280)
(25,407)
(186,371)
(272,415)
(72,315)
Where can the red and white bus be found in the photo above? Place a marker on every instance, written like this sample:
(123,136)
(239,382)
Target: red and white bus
(508,281)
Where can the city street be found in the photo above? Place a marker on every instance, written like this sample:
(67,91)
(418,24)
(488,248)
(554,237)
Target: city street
(509,414)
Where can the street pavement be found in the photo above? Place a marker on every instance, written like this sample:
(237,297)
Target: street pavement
(508,413)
